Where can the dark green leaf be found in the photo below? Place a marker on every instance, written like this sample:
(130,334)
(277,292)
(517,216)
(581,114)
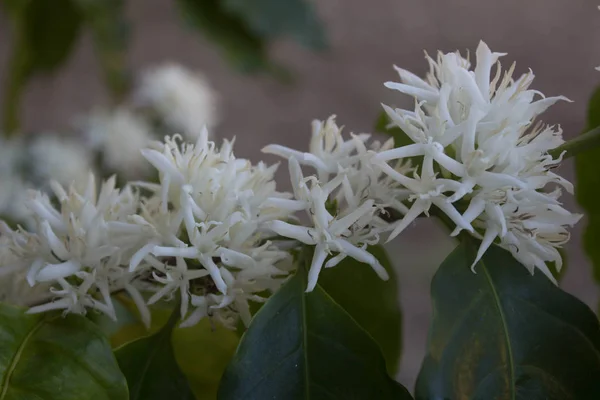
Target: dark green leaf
(150,367)
(110,32)
(271,19)
(587,188)
(305,346)
(51,28)
(51,357)
(373,303)
(229,31)
(502,333)
(44,32)
(382,125)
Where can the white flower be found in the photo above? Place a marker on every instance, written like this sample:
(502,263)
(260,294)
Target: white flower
(481,149)
(12,156)
(328,233)
(14,288)
(61,159)
(74,248)
(120,135)
(328,151)
(182,98)
(204,228)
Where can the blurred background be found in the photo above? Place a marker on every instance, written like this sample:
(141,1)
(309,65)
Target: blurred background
(557,39)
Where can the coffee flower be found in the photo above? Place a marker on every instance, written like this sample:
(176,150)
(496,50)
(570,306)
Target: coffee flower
(481,149)
(182,99)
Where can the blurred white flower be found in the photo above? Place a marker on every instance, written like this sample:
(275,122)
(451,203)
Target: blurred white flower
(480,146)
(182,98)
(13,196)
(59,158)
(12,156)
(119,135)
(14,288)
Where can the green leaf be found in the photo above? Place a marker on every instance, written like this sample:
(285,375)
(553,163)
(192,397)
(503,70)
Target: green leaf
(201,351)
(372,302)
(110,32)
(501,333)
(271,19)
(305,346)
(44,34)
(51,29)
(382,125)
(51,357)
(150,367)
(587,188)
(239,43)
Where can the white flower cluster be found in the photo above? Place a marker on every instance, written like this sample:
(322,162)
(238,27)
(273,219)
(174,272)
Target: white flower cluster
(346,201)
(200,234)
(480,146)
(216,234)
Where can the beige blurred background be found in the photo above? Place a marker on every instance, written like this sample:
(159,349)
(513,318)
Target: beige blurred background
(558,39)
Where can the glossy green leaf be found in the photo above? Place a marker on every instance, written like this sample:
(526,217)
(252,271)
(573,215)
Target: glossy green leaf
(151,369)
(54,357)
(587,188)
(275,18)
(110,33)
(229,31)
(372,302)
(502,333)
(305,346)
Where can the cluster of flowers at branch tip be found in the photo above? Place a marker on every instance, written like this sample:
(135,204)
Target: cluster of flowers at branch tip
(480,145)
(216,233)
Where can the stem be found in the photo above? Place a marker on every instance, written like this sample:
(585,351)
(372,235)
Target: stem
(586,142)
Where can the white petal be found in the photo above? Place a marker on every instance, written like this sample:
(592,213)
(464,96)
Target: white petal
(139,255)
(488,239)
(315,267)
(418,207)
(421,94)
(299,233)
(52,272)
(363,256)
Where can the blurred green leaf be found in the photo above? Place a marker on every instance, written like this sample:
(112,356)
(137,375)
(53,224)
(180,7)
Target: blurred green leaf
(229,31)
(201,351)
(373,303)
(271,19)
(44,33)
(587,188)
(51,28)
(54,357)
(150,367)
(501,333)
(305,346)
(110,32)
